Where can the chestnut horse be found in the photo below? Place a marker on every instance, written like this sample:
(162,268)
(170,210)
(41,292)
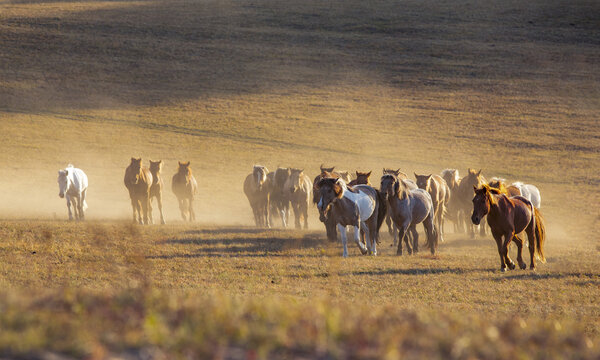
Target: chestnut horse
(362,207)
(138,180)
(184,187)
(509,216)
(344,175)
(298,184)
(256,188)
(499,183)
(440,195)
(156,190)
(408,208)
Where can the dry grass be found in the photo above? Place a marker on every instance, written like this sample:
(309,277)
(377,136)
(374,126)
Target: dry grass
(509,87)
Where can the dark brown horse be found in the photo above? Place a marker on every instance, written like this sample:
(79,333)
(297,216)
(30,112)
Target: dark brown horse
(362,178)
(138,180)
(330,225)
(388,220)
(184,187)
(279,197)
(156,189)
(464,195)
(507,217)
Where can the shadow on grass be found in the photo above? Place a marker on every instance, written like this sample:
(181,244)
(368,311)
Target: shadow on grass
(530,275)
(418,271)
(245,247)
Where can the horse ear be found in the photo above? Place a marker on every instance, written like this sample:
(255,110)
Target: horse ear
(67,172)
(479,172)
(179,162)
(429,176)
(357,172)
(187,164)
(369,173)
(416,176)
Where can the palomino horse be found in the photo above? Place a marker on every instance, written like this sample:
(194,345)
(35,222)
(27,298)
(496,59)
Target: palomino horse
(184,187)
(361,207)
(156,190)
(330,225)
(299,185)
(257,191)
(72,185)
(464,197)
(279,197)
(440,195)
(509,216)
(138,180)
(408,208)
(362,178)
(452,179)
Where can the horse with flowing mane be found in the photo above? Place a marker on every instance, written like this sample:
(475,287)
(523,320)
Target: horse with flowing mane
(362,178)
(440,195)
(361,207)
(464,197)
(529,192)
(72,185)
(184,187)
(256,188)
(407,208)
(156,190)
(452,179)
(508,217)
(138,180)
(299,185)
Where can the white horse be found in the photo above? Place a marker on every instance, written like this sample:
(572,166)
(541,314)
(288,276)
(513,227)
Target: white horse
(72,185)
(529,192)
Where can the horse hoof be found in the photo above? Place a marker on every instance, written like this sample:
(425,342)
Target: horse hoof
(511,266)
(503,269)
(523,266)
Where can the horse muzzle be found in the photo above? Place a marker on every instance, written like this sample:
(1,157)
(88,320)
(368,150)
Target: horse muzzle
(475,219)
(61,195)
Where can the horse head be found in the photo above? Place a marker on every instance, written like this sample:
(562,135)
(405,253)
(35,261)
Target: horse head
(482,202)
(363,178)
(324,169)
(259,173)
(155,167)
(281,177)
(330,189)
(134,170)
(64,182)
(423,181)
(295,180)
(184,170)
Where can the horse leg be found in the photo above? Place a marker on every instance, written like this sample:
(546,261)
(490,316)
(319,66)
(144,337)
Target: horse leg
(519,243)
(69,207)
(133,209)
(431,232)
(408,241)
(305,214)
(369,240)
(159,201)
(342,230)
(394,234)
(182,208)
(391,226)
(362,248)
(191,209)
(507,239)
(401,234)
(414,237)
(441,222)
(498,238)
(138,208)
(145,202)
(150,217)
(296,208)
(256,215)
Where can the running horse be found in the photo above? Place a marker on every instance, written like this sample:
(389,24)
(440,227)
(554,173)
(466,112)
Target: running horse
(361,207)
(508,217)
(330,225)
(362,178)
(464,196)
(156,189)
(184,187)
(72,185)
(138,180)
(299,185)
(256,188)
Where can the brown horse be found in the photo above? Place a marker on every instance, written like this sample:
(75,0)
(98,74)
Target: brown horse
(299,185)
(440,195)
(344,175)
(464,197)
(256,188)
(156,189)
(330,225)
(452,179)
(509,216)
(184,187)
(388,220)
(362,178)
(499,184)
(138,180)
(279,197)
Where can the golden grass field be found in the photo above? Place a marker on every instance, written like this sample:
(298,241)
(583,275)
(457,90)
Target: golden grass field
(510,87)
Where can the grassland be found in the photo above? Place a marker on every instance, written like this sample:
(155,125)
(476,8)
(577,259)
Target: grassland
(509,87)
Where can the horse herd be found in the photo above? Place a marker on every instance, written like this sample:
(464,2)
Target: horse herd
(402,203)
(345,203)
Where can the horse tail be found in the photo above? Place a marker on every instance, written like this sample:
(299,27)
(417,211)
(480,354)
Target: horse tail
(540,234)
